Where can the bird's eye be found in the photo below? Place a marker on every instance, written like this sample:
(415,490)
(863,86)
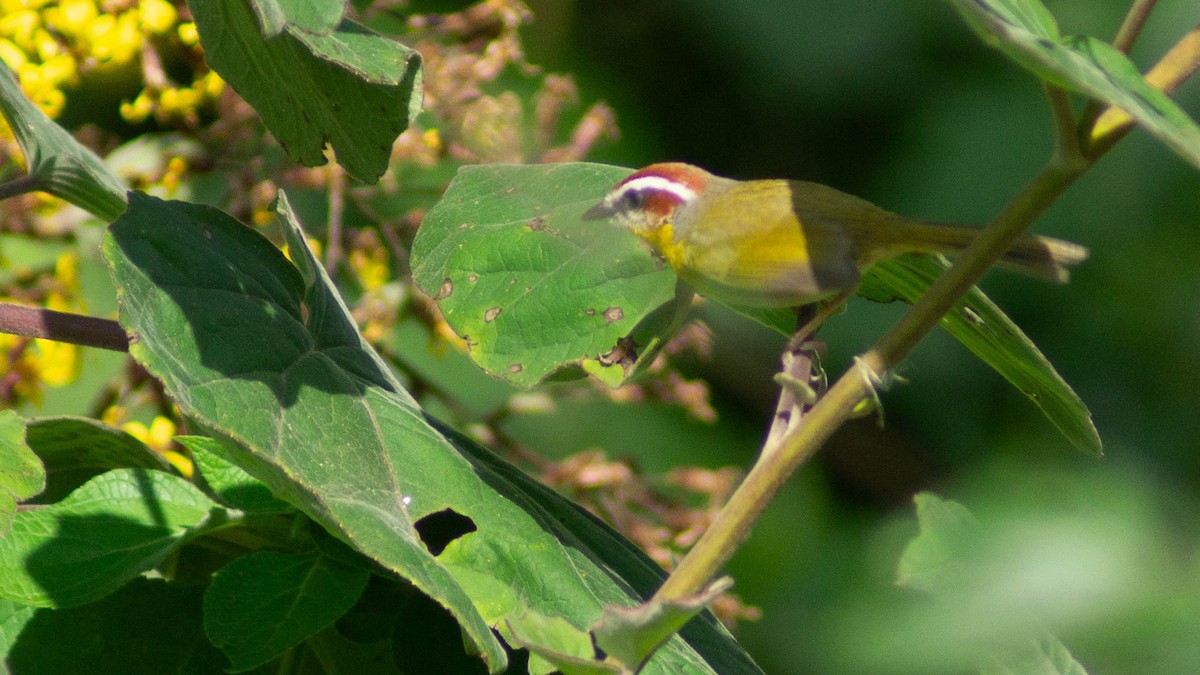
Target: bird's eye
(634,199)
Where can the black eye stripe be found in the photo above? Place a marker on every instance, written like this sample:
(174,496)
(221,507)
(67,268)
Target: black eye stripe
(634,199)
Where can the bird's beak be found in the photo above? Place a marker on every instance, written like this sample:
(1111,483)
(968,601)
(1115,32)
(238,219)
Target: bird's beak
(598,212)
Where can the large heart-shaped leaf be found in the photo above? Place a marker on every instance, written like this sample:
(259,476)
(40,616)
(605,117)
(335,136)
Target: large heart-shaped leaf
(268,356)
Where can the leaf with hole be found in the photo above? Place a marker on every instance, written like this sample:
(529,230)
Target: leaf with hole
(265,354)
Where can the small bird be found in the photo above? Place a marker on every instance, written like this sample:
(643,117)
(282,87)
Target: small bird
(786,243)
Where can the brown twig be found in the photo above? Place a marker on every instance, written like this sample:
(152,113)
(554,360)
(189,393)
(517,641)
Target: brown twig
(37,322)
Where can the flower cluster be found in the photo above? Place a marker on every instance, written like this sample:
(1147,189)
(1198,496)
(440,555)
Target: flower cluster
(29,365)
(53,47)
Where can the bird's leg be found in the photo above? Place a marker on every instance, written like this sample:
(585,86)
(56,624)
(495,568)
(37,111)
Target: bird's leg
(808,322)
(801,381)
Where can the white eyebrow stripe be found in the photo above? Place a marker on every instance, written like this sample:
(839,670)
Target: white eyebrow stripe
(683,192)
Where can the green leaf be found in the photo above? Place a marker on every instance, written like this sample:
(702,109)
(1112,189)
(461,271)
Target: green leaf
(261,352)
(932,560)
(629,635)
(529,285)
(232,485)
(1025,32)
(149,626)
(567,648)
(76,449)
(315,16)
(21,472)
(1031,16)
(944,560)
(263,604)
(110,530)
(352,88)
(984,329)
(58,164)
(1044,655)
(13,618)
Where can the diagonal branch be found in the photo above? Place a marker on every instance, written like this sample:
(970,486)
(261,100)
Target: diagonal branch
(37,322)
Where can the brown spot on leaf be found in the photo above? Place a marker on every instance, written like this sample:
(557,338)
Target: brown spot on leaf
(624,354)
(516,368)
(614,314)
(589,312)
(538,223)
(304,313)
(472,278)
(445,290)
(491,314)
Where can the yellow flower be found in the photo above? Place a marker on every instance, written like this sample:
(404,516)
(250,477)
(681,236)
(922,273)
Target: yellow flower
(113,414)
(162,431)
(71,17)
(188,34)
(176,167)
(59,70)
(370,267)
(13,55)
(432,140)
(19,27)
(136,111)
(57,362)
(47,46)
(211,84)
(159,437)
(115,39)
(181,102)
(157,16)
(66,272)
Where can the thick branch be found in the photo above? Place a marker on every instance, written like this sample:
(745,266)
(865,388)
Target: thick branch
(37,322)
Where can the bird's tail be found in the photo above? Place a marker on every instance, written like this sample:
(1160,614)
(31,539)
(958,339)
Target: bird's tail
(1042,257)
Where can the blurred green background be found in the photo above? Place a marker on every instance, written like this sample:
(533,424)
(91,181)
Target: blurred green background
(900,103)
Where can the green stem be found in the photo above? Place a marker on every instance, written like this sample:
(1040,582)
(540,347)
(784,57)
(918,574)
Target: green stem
(706,559)
(1132,26)
(18,186)
(1127,34)
(1072,156)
